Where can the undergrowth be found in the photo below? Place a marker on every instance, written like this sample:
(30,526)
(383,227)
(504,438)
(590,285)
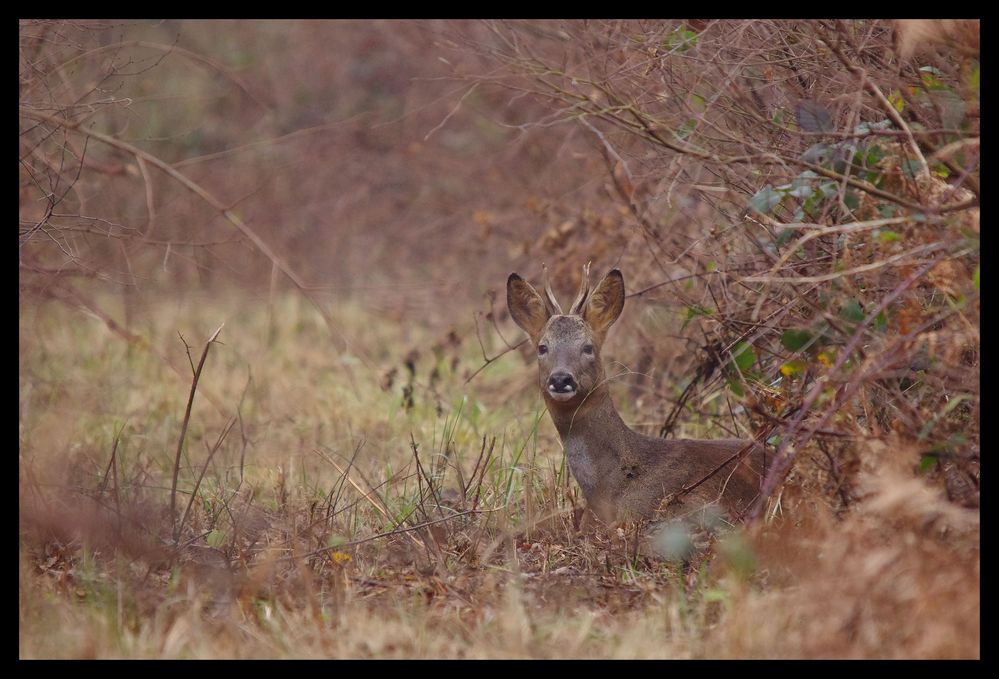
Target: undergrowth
(341,510)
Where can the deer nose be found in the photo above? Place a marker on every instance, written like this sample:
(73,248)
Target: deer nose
(561,385)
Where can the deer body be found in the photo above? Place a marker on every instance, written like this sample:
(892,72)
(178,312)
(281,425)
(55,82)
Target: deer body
(622,473)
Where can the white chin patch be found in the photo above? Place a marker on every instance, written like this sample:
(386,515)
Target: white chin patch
(561,395)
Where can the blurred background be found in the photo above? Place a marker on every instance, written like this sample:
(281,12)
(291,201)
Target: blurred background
(376,159)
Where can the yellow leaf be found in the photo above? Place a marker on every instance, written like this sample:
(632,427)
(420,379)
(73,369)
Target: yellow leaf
(792,368)
(895,99)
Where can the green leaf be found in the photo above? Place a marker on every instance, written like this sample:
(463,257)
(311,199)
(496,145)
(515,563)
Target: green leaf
(956,304)
(694,311)
(813,117)
(941,171)
(784,236)
(336,540)
(680,40)
(684,130)
(881,322)
(795,340)
(951,404)
(865,127)
(738,555)
(828,189)
(976,278)
(715,595)
(956,440)
(816,154)
(765,200)
(744,356)
(873,156)
(889,236)
(925,462)
(951,107)
(954,402)
(736,387)
(929,78)
(852,311)
(215,538)
(802,185)
(859,160)
(911,167)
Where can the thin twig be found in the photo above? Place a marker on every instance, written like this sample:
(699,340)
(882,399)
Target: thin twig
(198,190)
(187,419)
(784,458)
(922,249)
(398,531)
(485,357)
(451,112)
(194,56)
(218,444)
(423,472)
(380,505)
(924,169)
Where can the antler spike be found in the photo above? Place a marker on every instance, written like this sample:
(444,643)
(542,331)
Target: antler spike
(584,291)
(550,300)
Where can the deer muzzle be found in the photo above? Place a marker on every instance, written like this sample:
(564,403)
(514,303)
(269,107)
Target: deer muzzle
(562,386)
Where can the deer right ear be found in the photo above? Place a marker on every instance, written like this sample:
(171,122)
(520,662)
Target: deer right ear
(605,303)
(527,307)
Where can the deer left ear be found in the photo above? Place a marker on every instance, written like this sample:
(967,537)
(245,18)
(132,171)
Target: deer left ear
(605,303)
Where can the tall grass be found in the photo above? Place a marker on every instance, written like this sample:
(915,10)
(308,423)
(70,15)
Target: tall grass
(314,533)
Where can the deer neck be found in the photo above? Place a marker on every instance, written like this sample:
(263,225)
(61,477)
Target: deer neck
(594,419)
(599,447)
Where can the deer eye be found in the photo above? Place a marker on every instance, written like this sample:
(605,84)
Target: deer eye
(542,349)
(588,349)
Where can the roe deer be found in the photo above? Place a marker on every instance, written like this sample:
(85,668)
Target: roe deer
(623,474)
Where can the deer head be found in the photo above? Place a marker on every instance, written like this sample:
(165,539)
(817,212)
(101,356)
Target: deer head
(568,345)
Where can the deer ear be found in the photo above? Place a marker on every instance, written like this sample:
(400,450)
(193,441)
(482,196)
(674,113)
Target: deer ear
(527,307)
(605,303)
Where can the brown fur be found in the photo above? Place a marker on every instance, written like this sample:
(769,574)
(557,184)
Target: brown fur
(623,474)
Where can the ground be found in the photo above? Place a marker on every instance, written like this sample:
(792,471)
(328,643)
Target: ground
(303,466)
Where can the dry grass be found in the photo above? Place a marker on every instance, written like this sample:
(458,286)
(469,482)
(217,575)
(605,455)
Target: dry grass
(898,576)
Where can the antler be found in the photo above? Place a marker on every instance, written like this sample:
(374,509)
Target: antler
(550,301)
(584,291)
